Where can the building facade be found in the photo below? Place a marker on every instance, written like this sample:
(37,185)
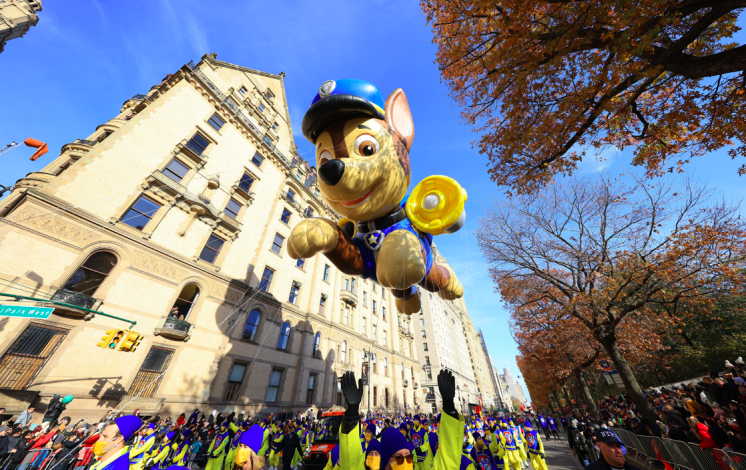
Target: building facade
(502,402)
(486,396)
(174,215)
(16,18)
(512,388)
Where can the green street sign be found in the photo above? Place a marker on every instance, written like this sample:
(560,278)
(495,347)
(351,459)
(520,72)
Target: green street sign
(23,311)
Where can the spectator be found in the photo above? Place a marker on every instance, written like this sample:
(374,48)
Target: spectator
(20,450)
(702,433)
(25,417)
(612,456)
(4,430)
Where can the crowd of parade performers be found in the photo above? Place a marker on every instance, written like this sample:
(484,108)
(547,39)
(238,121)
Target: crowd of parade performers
(447,442)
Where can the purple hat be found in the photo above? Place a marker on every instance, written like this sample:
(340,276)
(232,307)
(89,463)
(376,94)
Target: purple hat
(253,438)
(128,425)
(371,427)
(392,441)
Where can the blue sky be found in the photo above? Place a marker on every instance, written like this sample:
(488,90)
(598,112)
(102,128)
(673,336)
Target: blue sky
(74,70)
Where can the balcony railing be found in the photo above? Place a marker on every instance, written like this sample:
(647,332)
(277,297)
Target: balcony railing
(291,200)
(85,142)
(194,148)
(349,297)
(73,298)
(173,328)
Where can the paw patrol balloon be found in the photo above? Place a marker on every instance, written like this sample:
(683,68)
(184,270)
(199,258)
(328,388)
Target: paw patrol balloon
(362,154)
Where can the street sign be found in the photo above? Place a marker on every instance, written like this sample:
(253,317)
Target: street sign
(605,365)
(614,375)
(26,312)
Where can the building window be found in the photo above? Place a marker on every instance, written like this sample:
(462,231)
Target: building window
(424,347)
(322,304)
(28,355)
(343,356)
(374,308)
(424,335)
(176,170)
(325,277)
(285,217)
(141,212)
(245,183)
(383,313)
(365,299)
(151,372)
(427,360)
(422,322)
(309,212)
(235,379)
(316,344)
(316,192)
(294,291)
(197,144)
(185,302)
(364,325)
(257,159)
(92,273)
(261,107)
(282,343)
(385,342)
(352,285)
(232,208)
(274,385)
(347,284)
(266,281)
(386,397)
(385,367)
(212,249)
(290,195)
(374,332)
(242,91)
(375,396)
(103,136)
(277,243)
(252,325)
(375,363)
(216,122)
(402,370)
(309,390)
(301,262)
(346,315)
(429,374)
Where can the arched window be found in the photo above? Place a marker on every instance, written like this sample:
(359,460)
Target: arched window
(385,367)
(184,303)
(92,273)
(282,343)
(252,325)
(316,344)
(344,352)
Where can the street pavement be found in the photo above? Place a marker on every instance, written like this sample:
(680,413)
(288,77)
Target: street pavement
(559,455)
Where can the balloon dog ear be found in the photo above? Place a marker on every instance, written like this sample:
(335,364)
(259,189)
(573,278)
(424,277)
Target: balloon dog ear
(399,117)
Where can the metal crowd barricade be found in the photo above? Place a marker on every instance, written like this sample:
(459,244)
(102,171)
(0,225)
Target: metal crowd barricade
(707,458)
(624,436)
(35,459)
(83,458)
(641,452)
(682,454)
(656,451)
(736,461)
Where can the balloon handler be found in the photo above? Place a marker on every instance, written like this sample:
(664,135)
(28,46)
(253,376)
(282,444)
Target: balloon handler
(535,447)
(362,155)
(216,451)
(110,447)
(396,450)
(139,453)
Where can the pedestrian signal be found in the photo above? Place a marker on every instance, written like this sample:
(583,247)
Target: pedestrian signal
(131,342)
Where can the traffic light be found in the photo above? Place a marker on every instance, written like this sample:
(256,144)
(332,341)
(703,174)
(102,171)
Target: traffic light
(106,339)
(112,339)
(130,342)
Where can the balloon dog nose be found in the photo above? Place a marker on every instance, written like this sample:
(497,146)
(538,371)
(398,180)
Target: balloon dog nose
(331,172)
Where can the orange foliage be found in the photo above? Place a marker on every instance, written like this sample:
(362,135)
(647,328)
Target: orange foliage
(545,81)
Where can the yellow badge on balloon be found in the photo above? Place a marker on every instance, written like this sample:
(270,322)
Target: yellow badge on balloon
(435,204)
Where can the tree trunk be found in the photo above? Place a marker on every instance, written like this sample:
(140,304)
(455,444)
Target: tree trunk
(568,402)
(628,378)
(587,395)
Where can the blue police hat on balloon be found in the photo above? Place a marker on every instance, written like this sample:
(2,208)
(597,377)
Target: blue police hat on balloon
(128,425)
(337,99)
(253,437)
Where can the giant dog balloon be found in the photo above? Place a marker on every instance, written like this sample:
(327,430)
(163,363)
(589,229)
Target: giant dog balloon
(362,154)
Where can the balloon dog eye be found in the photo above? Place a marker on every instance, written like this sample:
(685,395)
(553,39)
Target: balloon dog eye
(324,157)
(366,145)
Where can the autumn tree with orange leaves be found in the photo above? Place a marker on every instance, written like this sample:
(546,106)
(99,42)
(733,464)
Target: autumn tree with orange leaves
(544,81)
(613,254)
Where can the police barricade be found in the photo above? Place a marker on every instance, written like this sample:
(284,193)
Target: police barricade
(707,458)
(641,450)
(682,454)
(82,459)
(35,459)
(656,452)
(735,460)
(624,436)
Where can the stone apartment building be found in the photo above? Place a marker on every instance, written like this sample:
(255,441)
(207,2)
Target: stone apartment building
(16,18)
(174,214)
(486,396)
